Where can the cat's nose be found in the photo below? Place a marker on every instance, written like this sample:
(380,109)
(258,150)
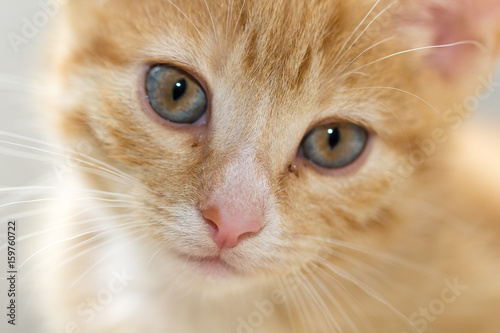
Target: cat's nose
(229,226)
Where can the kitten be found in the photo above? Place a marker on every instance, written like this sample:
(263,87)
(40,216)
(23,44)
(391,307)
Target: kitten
(273,166)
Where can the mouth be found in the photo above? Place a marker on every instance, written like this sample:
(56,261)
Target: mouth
(210,267)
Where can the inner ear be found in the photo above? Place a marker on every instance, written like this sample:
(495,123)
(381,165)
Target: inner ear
(465,34)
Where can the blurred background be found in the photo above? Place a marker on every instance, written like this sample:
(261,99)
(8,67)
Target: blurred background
(19,117)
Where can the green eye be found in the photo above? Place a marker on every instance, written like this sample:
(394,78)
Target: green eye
(175,95)
(335,145)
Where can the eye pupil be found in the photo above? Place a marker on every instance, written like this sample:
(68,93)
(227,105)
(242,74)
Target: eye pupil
(333,137)
(179,90)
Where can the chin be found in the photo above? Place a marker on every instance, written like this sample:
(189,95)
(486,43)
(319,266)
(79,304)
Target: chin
(212,268)
(218,274)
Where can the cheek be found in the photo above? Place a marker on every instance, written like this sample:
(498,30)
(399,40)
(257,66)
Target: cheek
(331,205)
(129,137)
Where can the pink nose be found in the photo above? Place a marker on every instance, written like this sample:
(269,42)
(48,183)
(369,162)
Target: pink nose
(229,227)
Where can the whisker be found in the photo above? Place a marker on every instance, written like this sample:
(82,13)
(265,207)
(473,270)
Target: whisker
(293,297)
(64,240)
(109,254)
(60,155)
(305,303)
(369,291)
(394,115)
(22,154)
(77,199)
(81,253)
(373,100)
(41,211)
(154,256)
(465,42)
(337,57)
(355,305)
(187,18)
(366,50)
(403,91)
(217,35)
(238,19)
(229,15)
(32,212)
(280,288)
(305,285)
(334,301)
(448,218)
(321,304)
(93,161)
(19,83)
(384,257)
(103,167)
(35,188)
(60,225)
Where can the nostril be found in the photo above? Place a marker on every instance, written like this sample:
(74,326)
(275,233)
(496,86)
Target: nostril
(212,227)
(211,216)
(228,228)
(246,235)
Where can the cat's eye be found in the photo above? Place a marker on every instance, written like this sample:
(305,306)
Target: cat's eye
(335,145)
(175,95)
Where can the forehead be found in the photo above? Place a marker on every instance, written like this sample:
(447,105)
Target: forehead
(284,43)
(272,40)
(250,52)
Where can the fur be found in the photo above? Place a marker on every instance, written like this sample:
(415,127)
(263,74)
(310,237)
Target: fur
(407,227)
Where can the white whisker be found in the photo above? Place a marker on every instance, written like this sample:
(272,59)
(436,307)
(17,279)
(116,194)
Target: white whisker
(187,18)
(154,256)
(293,297)
(108,254)
(465,42)
(354,303)
(229,15)
(76,199)
(61,225)
(102,166)
(318,299)
(334,301)
(86,233)
(369,291)
(42,189)
(338,58)
(403,91)
(213,25)
(361,54)
(93,162)
(384,257)
(238,19)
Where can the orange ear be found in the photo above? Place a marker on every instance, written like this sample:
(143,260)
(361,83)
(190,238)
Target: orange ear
(467,30)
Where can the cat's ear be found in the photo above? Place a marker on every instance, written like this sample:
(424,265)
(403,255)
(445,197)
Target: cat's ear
(464,34)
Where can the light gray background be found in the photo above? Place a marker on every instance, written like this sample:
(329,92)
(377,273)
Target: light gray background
(18,115)
(17,71)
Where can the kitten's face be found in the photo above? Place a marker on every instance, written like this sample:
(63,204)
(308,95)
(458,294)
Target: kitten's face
(233,192)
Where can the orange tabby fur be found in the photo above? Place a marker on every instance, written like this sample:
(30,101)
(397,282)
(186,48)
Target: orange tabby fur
(358,251)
